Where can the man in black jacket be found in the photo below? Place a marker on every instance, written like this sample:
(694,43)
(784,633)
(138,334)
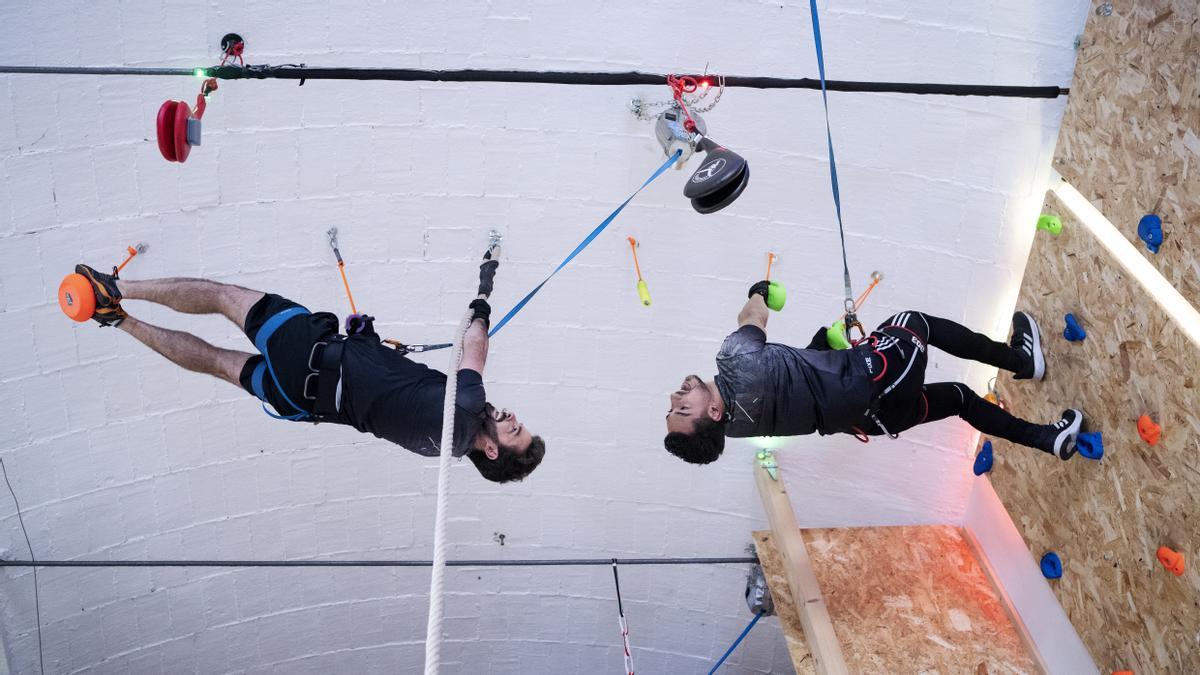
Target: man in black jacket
(876,387)
(307,371)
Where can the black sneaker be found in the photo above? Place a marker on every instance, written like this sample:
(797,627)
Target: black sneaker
(108,298)
(1027,339)
(1065,431)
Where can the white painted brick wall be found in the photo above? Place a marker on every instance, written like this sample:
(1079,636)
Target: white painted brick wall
(115,454)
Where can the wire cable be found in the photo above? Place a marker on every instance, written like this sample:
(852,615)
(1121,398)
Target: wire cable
(302,73)
(546,562)
(37,600)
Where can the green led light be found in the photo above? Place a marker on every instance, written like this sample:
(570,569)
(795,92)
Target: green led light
(199,72)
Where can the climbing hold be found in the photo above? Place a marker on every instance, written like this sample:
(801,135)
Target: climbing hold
(1050,223)
(983,461)
(1052,567)
(1150,231)
(1171,560)
(776,296)
(721,178)
(643,292)
(835,335)
(1090,444)
(76,297)
(1073,332)
(1148,430)
(642,289)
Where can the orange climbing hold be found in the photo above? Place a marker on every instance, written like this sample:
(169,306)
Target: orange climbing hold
(1172,560)
(76,297)
(1148,430)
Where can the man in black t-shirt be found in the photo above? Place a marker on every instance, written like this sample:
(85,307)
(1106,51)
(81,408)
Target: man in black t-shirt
(876,387)
(307,371)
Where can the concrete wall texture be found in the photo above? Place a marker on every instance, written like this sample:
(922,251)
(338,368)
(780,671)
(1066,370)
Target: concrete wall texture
(116,454)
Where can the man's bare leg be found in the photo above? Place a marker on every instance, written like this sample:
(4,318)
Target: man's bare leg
(188,351)
(192,296)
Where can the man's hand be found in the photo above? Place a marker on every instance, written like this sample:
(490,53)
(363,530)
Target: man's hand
(487,275)
(820,341)
(761,288)
(483,312)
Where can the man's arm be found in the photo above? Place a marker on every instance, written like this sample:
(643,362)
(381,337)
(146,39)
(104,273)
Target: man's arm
(475,342)
(475,346)
(754,312)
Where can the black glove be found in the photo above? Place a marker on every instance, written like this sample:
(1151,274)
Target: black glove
(820,341)
(487,274)
(360,324)
(761,288)
(483,311)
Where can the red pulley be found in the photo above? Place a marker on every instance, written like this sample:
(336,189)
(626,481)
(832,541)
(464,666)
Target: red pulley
(178,127)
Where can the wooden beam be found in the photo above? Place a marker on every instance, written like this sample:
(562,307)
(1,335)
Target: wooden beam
(802,581)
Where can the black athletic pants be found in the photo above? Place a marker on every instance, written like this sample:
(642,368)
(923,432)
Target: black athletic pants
(900,344)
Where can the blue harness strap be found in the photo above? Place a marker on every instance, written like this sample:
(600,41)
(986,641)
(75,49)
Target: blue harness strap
(582,245)
(256,380)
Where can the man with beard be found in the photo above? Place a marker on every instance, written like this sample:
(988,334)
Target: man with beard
(307,371)
(877,387)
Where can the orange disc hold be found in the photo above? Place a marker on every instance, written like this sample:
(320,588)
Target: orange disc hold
(76,297)
(1172,560)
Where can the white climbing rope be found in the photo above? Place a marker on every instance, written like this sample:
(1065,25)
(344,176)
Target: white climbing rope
(433,628)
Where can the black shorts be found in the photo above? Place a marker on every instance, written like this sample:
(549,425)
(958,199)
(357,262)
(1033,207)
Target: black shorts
(289,348)
(901,343)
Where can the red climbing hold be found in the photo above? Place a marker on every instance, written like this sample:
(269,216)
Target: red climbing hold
(1172,560)
(1148,430)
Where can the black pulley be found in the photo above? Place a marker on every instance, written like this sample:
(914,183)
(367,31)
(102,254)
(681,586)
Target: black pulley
(721,178)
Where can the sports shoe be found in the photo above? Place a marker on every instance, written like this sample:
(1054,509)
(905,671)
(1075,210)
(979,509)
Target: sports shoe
(1064,432)
(1027,339)
(108,298)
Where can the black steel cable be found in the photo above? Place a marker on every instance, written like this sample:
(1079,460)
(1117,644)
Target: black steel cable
(564,562)
(293,72)
(37,600)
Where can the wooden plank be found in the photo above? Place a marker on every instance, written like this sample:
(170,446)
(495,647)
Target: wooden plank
(785,608)
(802,581)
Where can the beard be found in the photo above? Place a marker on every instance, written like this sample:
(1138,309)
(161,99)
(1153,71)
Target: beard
(487,428)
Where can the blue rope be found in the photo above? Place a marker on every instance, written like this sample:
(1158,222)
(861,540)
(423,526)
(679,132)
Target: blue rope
(736,642)
(837,195)
(583,244)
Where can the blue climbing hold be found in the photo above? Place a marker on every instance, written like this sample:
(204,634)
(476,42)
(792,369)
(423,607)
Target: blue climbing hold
(1051,566)
(1074,332)
(1150,231)
(1090,445)
(983,461)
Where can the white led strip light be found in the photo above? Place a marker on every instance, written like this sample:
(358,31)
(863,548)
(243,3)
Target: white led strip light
(1173,303)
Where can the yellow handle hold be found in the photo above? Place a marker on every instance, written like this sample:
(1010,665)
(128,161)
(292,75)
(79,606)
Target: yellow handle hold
(643,292)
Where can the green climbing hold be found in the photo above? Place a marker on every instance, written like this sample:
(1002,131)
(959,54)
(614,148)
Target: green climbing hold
(1050,223)
(835,335)
(776,296)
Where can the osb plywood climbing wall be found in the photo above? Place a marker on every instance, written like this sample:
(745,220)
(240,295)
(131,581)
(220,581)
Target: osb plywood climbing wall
(1106,519)
(1130,139)
(902,600)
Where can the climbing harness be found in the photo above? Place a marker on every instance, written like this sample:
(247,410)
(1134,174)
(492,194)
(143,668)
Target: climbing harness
(624,625)
(851,316)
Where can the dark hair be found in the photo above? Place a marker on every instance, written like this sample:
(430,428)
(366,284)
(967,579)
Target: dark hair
(509,465)
(703,445)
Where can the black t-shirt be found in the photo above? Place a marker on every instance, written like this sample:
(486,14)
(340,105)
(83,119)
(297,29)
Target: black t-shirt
(771,389)
(400,400)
